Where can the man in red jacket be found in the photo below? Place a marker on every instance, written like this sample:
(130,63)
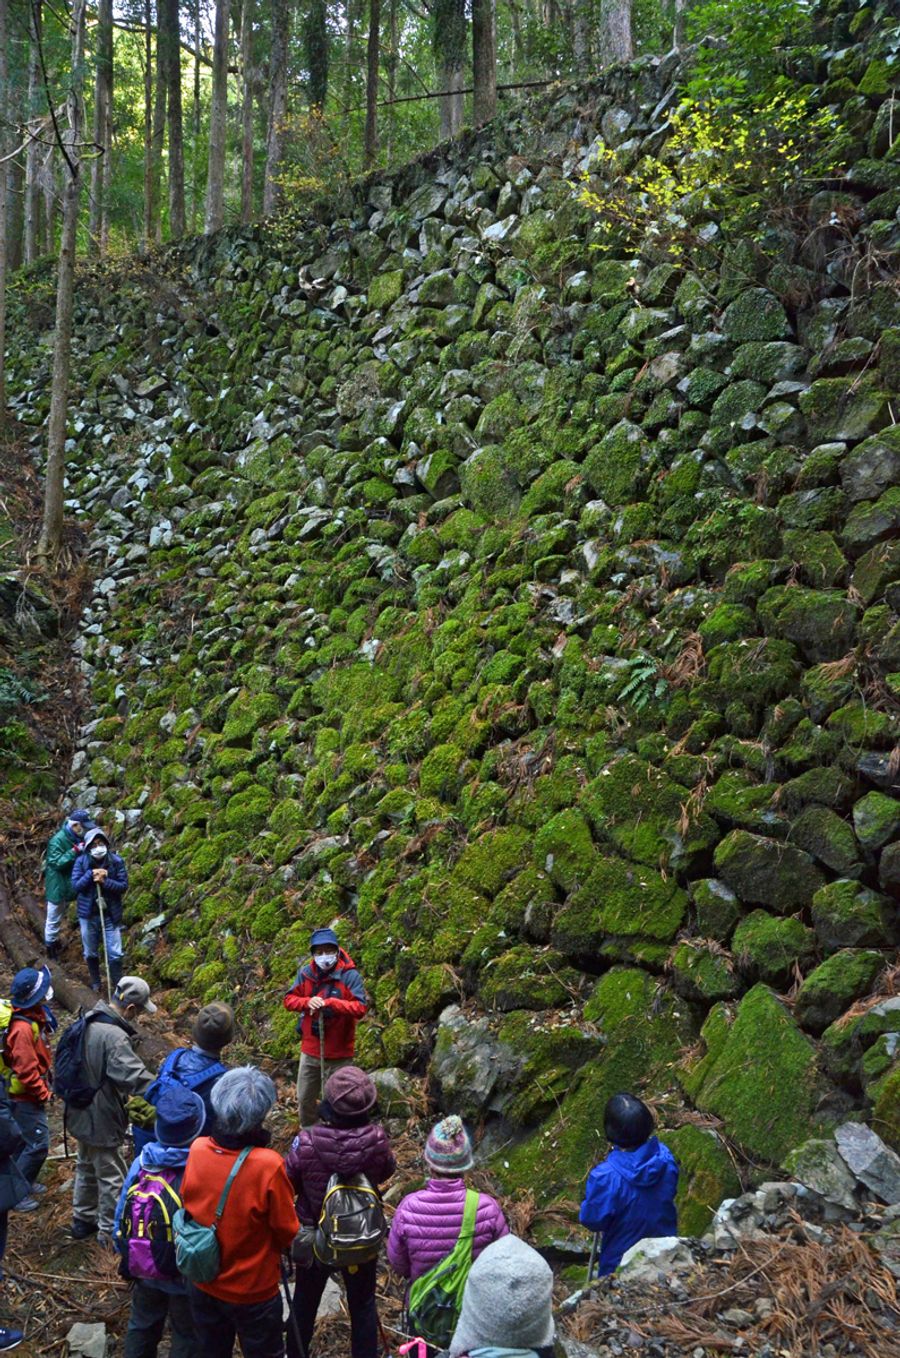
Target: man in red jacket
(330,999)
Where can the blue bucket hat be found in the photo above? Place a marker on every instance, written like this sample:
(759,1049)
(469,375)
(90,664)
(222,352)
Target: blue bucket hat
(321,937)
(29,987)
(180,1116)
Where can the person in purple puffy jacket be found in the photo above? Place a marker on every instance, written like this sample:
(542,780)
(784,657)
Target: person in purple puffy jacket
(344,1141)
(426,1224)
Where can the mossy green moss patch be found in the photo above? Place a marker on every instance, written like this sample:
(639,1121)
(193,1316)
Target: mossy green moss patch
(769,948)
(759,1075)
(707,1177)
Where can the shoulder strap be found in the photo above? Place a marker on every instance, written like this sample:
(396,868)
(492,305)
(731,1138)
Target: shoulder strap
(230,1180)
(470,1213)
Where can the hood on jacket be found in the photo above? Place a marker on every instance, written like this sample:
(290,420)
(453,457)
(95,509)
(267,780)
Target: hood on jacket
(156,1156)
(642,1167)
(310,972)
(94,834)
(344,1150)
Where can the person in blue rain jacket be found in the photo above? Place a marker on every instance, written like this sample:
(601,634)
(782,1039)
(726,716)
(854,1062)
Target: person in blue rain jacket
(631,1194)
(98,868)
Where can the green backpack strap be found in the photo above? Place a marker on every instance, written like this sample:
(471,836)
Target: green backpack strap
(229,1181)
(470,1216)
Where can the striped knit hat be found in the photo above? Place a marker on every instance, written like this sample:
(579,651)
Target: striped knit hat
(448,1149)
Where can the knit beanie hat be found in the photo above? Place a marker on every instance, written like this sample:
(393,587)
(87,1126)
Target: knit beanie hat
(508,1300)
(448,1149)
(213,1027)
(350,1092)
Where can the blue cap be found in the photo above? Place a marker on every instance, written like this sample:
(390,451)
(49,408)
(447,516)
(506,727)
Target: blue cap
(84,819)
(29,987)
(180,1116)
(321,937)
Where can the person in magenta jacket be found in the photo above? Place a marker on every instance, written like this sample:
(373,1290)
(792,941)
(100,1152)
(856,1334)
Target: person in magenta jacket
(630,1196)
(426,1224)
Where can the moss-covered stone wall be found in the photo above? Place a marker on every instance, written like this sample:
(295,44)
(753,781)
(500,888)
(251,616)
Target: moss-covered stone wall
(530,613)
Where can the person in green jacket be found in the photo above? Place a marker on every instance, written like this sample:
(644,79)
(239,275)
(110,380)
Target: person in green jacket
(63,849)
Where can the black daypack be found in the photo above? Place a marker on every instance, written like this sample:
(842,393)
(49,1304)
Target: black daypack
(352,1224)
(70,1082)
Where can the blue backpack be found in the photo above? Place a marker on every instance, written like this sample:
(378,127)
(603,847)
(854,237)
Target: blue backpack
(168,1076)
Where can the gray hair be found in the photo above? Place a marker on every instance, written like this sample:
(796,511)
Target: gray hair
(242,1099)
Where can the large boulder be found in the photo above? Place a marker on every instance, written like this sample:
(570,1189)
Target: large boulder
(763,871)
(759,1074)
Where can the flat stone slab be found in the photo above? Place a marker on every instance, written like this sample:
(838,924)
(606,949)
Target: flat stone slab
(870,1160)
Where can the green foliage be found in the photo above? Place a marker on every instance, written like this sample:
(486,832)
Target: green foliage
(644,683)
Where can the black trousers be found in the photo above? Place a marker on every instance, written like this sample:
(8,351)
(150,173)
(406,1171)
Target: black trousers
(360,1285)
(258,1326)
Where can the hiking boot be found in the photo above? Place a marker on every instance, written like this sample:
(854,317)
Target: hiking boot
(38,1190)
(52,950)
(9,1338)
(81,1229)
(115,971)
(28,1204)
(93,966)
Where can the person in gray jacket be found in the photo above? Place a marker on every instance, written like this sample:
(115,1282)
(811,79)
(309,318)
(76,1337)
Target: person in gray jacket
(114,1067)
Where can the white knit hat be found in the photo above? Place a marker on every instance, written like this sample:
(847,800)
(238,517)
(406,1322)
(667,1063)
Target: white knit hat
(508,1300)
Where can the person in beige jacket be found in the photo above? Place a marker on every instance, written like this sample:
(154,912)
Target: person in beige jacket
(114,1067)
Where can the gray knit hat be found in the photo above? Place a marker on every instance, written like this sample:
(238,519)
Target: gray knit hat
(508,1300)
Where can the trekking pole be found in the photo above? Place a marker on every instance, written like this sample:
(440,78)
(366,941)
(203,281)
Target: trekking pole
(100,902)
(292,1314)
(593,1259)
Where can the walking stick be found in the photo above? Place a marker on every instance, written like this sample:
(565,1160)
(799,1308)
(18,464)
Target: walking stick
(100,902)
(593,1258)
(322,1050)
(292,1314)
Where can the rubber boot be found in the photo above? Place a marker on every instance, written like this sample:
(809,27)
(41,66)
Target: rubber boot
(93,966)
(115,971)
(52,950)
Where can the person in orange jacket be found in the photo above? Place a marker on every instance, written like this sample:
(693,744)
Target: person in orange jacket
(258,1221)
(26,1053)
(330,998)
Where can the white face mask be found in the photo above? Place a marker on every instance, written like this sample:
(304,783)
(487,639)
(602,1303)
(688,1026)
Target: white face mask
(326,960)
(98,851)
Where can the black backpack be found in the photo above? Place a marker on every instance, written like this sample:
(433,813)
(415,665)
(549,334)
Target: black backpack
(70,1082)
(352,1224)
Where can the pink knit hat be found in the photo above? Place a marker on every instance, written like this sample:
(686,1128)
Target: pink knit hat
(448,1149)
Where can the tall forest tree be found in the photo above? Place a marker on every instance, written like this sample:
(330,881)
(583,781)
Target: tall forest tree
(315,34)
(484,61)
(615,42)
(31,190)
(370,151)
(248,80)
(169,39)
(154,145)
(278,76)
(4,233)
(101,163)
(215,182)
(449,41)
(71,150)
